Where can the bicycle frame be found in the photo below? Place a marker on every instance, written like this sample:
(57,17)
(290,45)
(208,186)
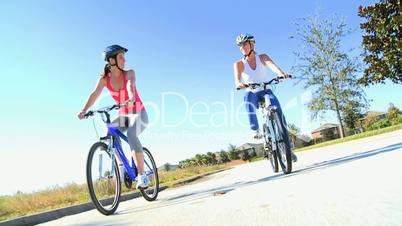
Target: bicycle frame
(114,144)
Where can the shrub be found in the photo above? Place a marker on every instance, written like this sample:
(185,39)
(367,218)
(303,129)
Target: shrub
(244,155)
(379,124)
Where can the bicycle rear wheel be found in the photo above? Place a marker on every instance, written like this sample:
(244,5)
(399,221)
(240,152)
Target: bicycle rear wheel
(103,179)
(150,193)
(283,145)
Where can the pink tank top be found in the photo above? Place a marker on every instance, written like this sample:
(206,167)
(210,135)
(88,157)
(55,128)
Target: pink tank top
(120,96)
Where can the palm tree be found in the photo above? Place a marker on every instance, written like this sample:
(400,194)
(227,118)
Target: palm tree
(212,158)
(224,156)
(205,159)
(198,159)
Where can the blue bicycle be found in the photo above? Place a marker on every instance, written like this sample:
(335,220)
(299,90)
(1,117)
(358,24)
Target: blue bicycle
(103,176)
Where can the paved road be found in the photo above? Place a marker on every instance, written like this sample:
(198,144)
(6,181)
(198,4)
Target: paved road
(354,183)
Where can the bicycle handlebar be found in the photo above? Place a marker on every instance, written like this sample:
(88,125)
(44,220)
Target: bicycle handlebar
(104,110)
(254,85)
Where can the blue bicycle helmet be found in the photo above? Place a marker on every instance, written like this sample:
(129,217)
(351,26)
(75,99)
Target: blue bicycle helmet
(112,51)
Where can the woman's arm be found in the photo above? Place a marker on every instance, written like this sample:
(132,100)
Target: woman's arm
(270,63)
(92,97)
(131,85)
(238,70)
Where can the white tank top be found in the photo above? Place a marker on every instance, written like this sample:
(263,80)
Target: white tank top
(259,75)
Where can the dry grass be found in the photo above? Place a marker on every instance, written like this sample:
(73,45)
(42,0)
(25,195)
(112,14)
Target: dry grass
(169,177)
(24,204)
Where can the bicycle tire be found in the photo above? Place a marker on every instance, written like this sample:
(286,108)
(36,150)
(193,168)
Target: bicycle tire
(99,203)
(284,140)
(271,155)
(145,192)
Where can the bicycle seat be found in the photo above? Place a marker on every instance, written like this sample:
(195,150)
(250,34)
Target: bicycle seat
(105,137)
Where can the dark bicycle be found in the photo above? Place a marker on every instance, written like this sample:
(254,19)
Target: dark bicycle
(276,139)
(103,176)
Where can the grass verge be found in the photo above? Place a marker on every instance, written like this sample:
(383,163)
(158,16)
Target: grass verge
(353,137)
(71,194)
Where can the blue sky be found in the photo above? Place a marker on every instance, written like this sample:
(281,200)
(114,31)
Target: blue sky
(180,50)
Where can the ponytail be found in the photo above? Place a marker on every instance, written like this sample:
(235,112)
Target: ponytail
(106,70)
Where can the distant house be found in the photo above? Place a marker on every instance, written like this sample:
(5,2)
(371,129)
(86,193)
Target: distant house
(378,114)
(258,148)
(167,167)
(326,131)
(300,141)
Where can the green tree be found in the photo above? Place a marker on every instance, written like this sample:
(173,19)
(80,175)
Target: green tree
(224,156)
(198,159)
(205,160)
(382,42)
(184,163)
(327,70)
(193,162)
(294,132)
(244,155)
(352,113)
(212,158)
(232,152)
(233,155)
(370,119)
(393,114)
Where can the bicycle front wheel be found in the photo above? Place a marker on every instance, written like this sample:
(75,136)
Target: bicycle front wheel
(283,145)
(103,179)
(151,171)
(271,155)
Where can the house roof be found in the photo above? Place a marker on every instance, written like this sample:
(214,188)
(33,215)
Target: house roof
(248,146)
(375,113)
(325,126)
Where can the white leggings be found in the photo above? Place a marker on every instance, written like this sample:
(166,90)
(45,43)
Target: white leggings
(134,124)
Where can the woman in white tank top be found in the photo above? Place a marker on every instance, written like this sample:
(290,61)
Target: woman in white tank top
(252,69)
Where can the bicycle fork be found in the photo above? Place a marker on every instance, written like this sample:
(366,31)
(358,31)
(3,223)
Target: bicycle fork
(268,119)
(112,152)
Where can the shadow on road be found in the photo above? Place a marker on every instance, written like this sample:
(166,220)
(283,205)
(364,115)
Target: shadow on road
(194,196)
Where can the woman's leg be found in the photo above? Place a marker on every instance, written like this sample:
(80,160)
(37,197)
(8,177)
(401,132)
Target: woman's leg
(275,102)
(251,101)
(120,123)
(139,123)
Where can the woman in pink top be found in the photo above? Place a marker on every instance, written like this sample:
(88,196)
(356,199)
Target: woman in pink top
(132,117)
